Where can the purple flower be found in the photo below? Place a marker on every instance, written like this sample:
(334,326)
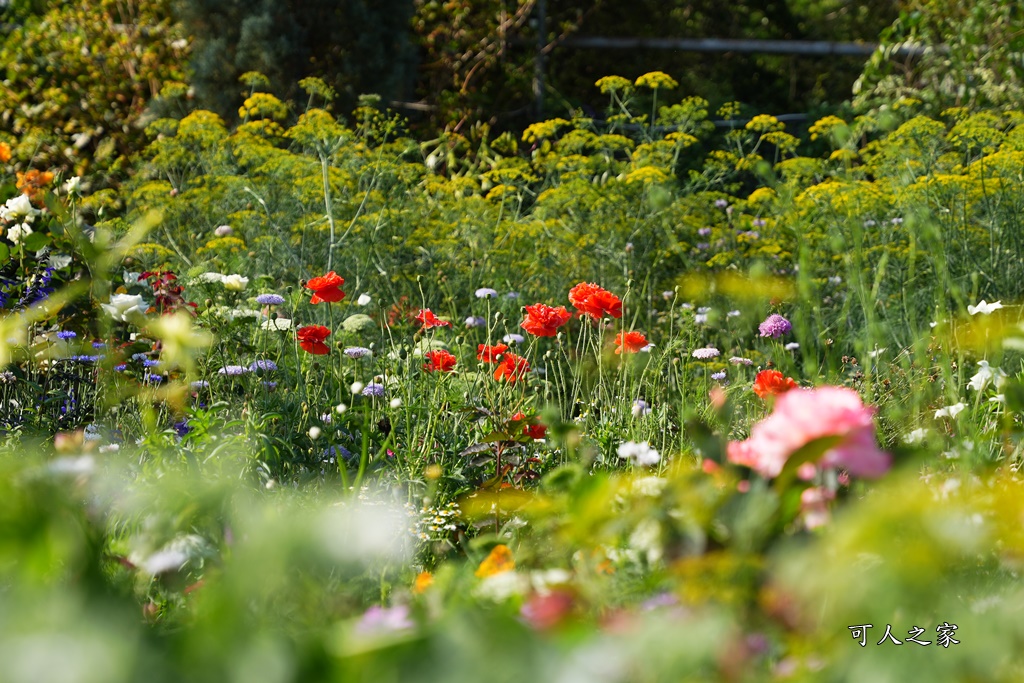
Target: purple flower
(475,321)
(721,203)
(150,363)
(486,293)
(718,375)
(330,454)
(373,390)
(704,232)
(120,367)
(707,353)
(759,222)
(775,326)
(84,359)
(357,352)
(270,386)
(233,370)
(702,246)
(270,300)
(66,334)
(264,365)
(738,360)
(199,384)
(379,620)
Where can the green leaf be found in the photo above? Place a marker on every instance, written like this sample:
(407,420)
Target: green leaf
(36,241)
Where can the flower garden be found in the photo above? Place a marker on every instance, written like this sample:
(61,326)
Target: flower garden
(637,398)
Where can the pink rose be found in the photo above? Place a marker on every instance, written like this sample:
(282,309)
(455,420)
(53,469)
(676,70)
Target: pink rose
(801,416)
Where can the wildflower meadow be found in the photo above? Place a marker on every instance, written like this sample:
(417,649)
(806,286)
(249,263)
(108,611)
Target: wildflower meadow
(666,394)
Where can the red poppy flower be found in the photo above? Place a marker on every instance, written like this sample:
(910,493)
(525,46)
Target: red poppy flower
(311,339)
(326,288)
(534,431)
(772,383)
(543,320)
(428,320)
(512,368)
(595,301)
(630,342)
(490,354)
(439,360)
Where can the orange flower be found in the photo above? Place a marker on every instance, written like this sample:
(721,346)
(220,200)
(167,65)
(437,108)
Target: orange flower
(772,383)
(326,288)
(5,152)
(499,561)
(595,301)
(630,342)
(428,320)
(543,320)
(512,368)
(424,580)
(490,354)
(311,339)
(534,431)
(32,182)
(440,360)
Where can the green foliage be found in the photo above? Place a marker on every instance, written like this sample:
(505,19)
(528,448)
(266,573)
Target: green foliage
(353,47)
(971,57)
(77,79)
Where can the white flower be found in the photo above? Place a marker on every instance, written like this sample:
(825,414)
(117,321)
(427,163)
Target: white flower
(277,324)
(877,352)
(706,353)
(363,299)
(639,453)
(126,307)
(984,307)
(340,408)
(17,232)
(396,403)
(502,586)
(950,411)
(314,433)
(223,230)
(792,346)
(985,375)
(73,185)
(234,282)
(916,436)
(211,277)
(357,387)
(19,208)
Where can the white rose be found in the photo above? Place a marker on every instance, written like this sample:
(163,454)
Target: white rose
(17,232)
(72,185)
(235,282)
(19,208)
(126,307)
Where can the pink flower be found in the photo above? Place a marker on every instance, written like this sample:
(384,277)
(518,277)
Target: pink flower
(801,417)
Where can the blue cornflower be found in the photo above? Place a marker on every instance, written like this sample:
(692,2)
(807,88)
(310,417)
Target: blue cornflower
(154,379)
(99,345)
(140,357)
(264,365)
(84,359)
(150,363)
(66,334)
(120,367)
(270,299)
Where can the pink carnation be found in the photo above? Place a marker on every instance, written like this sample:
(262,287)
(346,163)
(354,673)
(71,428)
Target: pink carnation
(801,416)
